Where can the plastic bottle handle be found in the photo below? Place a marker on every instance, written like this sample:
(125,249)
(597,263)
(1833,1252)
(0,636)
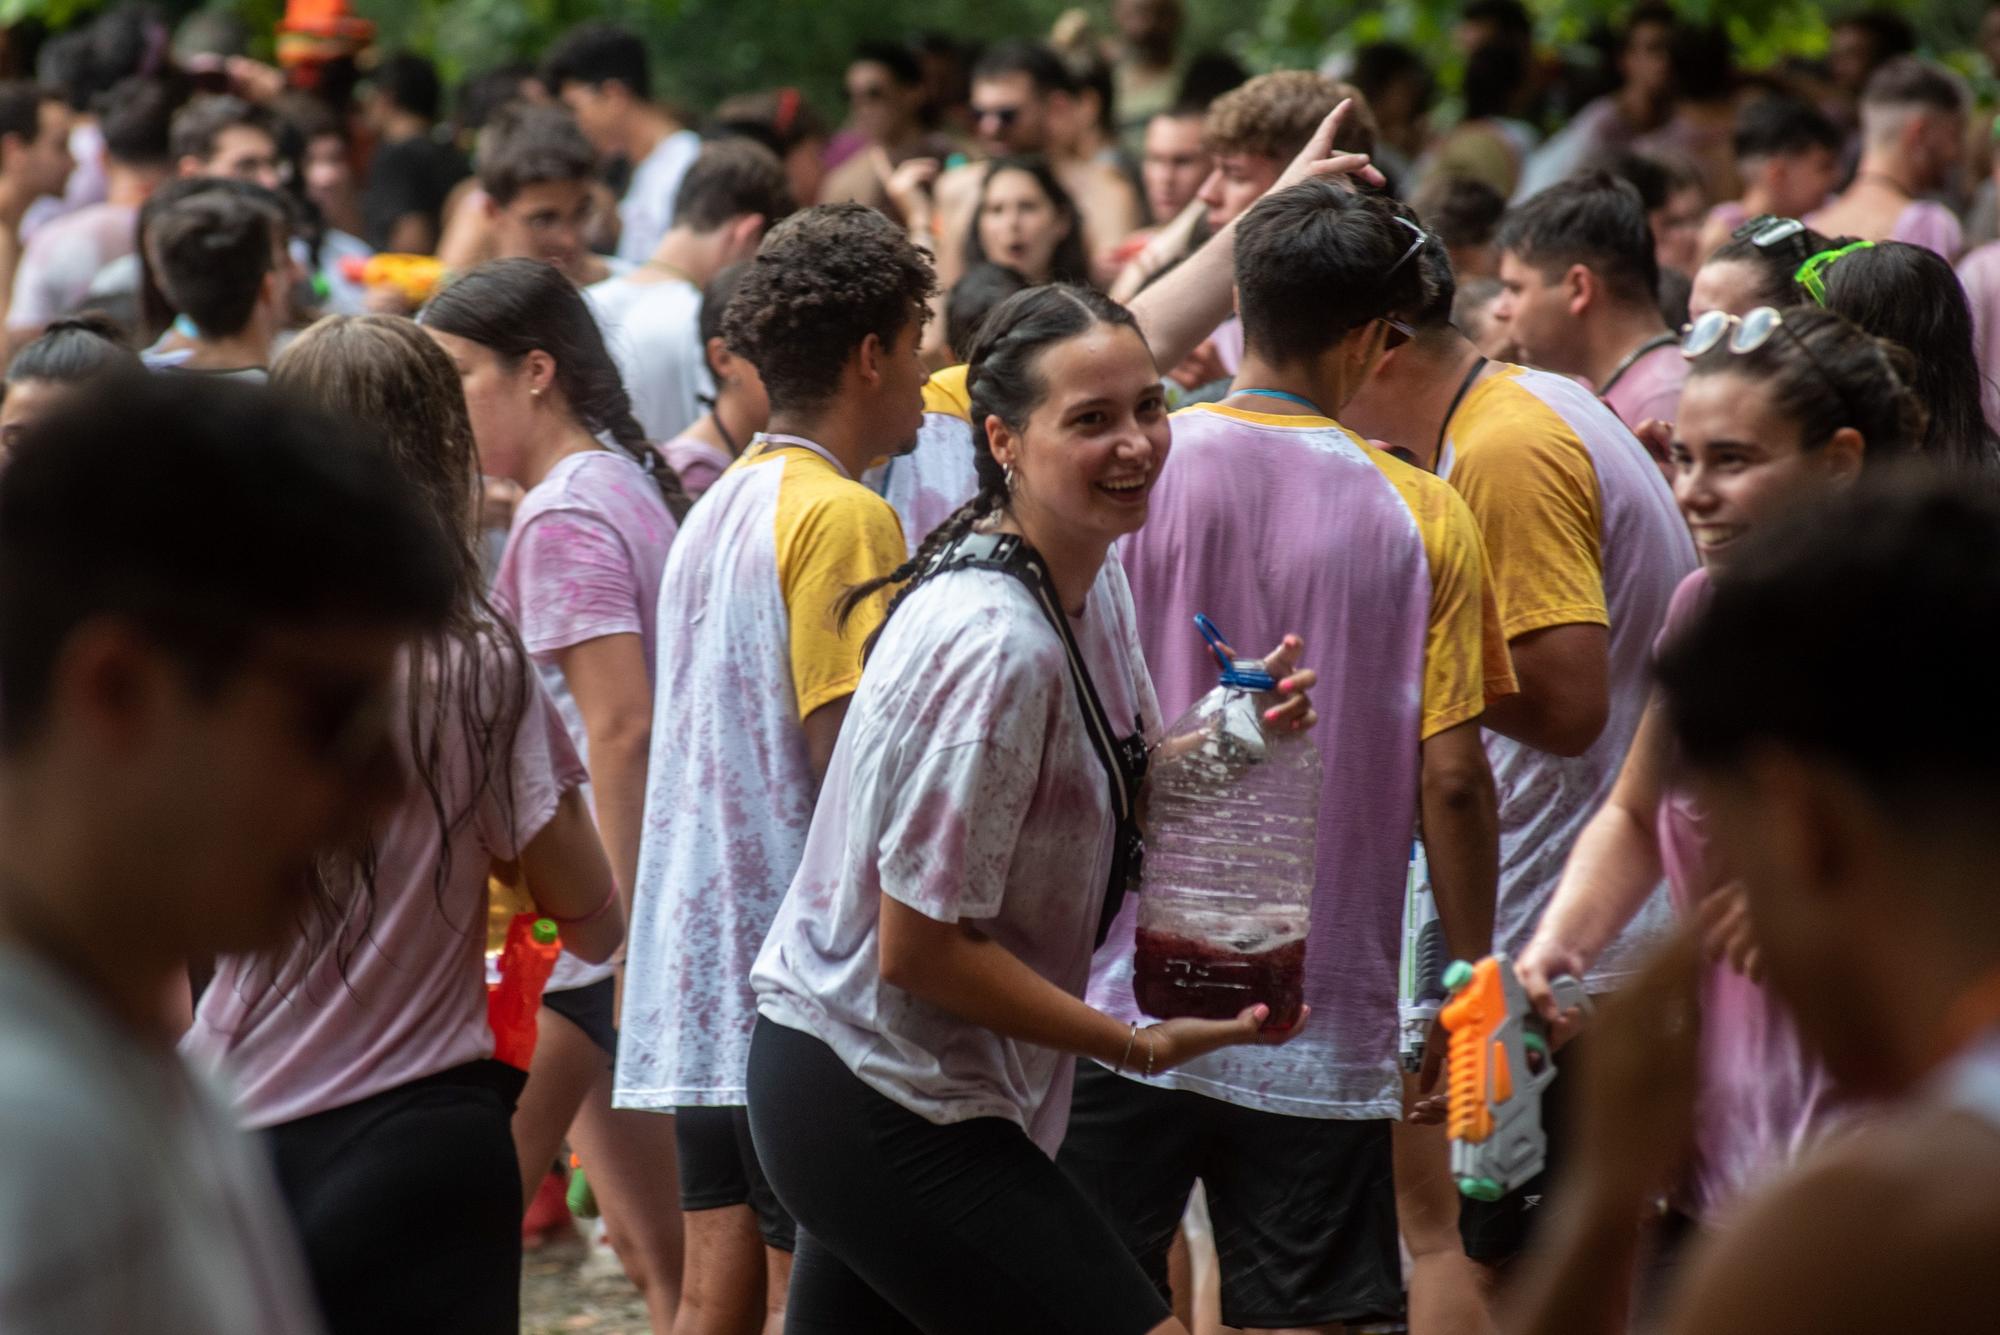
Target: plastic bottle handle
(1216,642)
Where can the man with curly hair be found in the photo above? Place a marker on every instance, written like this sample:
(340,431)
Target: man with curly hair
(831,314)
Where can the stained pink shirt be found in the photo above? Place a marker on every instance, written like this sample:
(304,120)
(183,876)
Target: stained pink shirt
(411,999)
(1931,225)
(1650,388)
(1763,1097)
(696,461)
(1980,273)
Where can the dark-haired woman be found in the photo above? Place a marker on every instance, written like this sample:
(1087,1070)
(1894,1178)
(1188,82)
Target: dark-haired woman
(1026,221)
(580,578)
(362,1049)
(1778,406)
(68,353)
(1757,266)
(920,991)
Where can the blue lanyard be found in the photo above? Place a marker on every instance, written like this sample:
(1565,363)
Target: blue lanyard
(1288,397)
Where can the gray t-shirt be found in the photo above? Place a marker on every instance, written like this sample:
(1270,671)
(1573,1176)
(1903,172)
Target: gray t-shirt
(129,1200)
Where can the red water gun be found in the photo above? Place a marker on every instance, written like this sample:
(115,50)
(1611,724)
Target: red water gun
(513,1003)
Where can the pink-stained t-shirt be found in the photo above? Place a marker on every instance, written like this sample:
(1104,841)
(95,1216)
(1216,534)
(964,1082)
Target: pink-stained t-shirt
(1650,388)
(1763,1098)
(583,561)
(1980,274)
(1930,224)
(57,266)
(696,461)
(964,785)
(1399,619)
(411,1000)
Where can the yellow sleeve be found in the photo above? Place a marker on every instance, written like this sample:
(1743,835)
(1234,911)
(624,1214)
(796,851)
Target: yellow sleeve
(832,534)
(945,393)
(1466,664)
(1532,489)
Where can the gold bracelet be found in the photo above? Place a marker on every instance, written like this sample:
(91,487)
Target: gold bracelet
(1130,1039)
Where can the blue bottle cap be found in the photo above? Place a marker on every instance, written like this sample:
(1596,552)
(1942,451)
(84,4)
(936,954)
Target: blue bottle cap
(1247,673)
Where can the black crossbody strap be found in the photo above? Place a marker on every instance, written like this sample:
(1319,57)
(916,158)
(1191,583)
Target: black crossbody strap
(1007,553)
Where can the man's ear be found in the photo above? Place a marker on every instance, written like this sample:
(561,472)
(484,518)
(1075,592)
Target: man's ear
(1580,287)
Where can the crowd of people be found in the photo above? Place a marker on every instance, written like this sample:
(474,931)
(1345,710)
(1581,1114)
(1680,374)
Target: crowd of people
(768,551)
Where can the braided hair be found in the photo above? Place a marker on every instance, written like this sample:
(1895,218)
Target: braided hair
(517,306)
(1005,381)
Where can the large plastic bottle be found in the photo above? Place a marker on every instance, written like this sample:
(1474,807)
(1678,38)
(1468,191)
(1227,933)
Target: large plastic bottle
(1226,893)
(513,1003)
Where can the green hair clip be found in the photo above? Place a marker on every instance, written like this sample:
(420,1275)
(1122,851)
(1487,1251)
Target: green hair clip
(1812,274)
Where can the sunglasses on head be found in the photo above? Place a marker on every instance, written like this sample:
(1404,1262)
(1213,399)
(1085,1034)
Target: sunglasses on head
(1812,274)
(1752,332)
(1770,232)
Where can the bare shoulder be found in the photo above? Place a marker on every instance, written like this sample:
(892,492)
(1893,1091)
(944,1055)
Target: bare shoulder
(1890,1223)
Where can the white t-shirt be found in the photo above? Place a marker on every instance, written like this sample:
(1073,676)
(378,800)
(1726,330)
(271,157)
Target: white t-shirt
(129,1200)
(964,785)
(927,485)
(754,578)
(654,333)
(647,210)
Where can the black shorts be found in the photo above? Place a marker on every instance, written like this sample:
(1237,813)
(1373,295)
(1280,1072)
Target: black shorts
(1495,1232)
(591,1008)
(1304,1207)
(911,1227)
(408,1204)
(719,1168)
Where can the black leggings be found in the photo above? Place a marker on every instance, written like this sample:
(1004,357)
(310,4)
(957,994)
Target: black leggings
(906,1226)
(409,1205)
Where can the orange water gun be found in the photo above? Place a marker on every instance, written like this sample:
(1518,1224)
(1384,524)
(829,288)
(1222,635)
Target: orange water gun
(415,276)
(514,1003)
(1499,1064)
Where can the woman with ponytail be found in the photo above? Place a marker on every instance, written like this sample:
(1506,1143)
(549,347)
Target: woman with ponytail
(920,994)
(1780,406)
(580,578)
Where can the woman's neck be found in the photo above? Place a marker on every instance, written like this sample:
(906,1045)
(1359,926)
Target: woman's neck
(564,437)
(1073,562)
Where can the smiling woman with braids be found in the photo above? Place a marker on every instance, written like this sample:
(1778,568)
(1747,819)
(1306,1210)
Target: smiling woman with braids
(362,1049)
(920,992)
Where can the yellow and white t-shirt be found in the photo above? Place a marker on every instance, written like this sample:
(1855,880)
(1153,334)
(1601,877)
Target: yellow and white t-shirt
(756,577)
(1581,530)
(937,476)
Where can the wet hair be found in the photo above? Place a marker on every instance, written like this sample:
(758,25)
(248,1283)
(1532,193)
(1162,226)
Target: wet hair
(200,124)
(732,178)
(518,306)
(136,118)
(1784,127)
(1070,262)
(1910,296)
(410,82)
(281,519)
(897,59)
(472,670)
(977,293)
(1432,318)
(1004,380)
(1043,67)
(155,309)
(528,145)
(1824,372)
(1878,583)
(1460,211)
(1317,260)
(1595,220)
(71,351)
(1274,116)
(1776,266)
(597,53)
(823,281)
(212,251)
